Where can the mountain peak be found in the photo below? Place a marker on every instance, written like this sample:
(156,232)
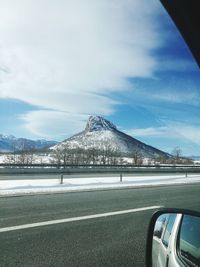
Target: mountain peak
(98,123)
(101,134)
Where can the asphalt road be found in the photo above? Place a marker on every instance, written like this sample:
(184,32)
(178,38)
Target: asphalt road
(110,241)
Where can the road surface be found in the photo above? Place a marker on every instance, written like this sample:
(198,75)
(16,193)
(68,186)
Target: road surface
(116,240)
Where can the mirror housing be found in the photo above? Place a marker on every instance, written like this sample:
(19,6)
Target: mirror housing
(153,234)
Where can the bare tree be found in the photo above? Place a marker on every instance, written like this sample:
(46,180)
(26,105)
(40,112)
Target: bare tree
(177,152)
(64,155)
(177,155)
(161,159)
(93,155)
(10,158)
(57,157)
(137,157)
(76,156)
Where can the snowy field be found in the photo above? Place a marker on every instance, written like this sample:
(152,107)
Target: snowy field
(32,186)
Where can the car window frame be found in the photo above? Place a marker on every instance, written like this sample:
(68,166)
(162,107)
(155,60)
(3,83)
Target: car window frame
(180,257)
(163,226)
(164,231)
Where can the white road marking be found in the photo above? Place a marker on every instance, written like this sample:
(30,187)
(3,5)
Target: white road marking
(81,218)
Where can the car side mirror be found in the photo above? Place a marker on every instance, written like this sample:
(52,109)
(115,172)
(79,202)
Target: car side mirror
(173,239)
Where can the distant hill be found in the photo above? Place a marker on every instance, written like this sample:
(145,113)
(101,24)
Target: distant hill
(194,157)
(11,143)
(101,133)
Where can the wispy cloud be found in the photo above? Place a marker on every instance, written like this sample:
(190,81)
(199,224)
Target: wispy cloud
(187,97)
(54,123)
(69,55)
(172,90)
(150,131)
(172,130)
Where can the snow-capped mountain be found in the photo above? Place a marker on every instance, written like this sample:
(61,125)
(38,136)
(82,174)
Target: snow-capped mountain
(101,134)
(9,143)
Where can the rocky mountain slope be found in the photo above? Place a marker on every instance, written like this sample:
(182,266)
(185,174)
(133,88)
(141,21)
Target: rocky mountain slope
(101,134)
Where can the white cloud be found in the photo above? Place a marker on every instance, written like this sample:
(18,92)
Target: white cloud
(68,55)
(50,123)
(172,130)
(189,96)
(191,133)
(180,91)
(151,131)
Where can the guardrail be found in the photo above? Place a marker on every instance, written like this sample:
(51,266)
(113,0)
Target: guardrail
(87,169)
(45,165)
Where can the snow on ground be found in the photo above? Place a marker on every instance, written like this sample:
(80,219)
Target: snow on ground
(37,158)
(2,158)
(31,186)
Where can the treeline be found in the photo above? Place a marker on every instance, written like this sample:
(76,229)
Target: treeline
(74,156)
(175,158)
(81,156)
(107,155)
(24,157)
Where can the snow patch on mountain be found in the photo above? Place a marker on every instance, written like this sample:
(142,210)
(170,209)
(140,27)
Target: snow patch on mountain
(102,134)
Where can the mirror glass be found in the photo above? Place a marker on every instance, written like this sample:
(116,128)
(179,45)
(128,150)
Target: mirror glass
(176,240)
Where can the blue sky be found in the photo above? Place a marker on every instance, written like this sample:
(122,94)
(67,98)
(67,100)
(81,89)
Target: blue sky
(123,60)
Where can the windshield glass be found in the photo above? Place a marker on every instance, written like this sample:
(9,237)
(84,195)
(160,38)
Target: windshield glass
(99,98)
